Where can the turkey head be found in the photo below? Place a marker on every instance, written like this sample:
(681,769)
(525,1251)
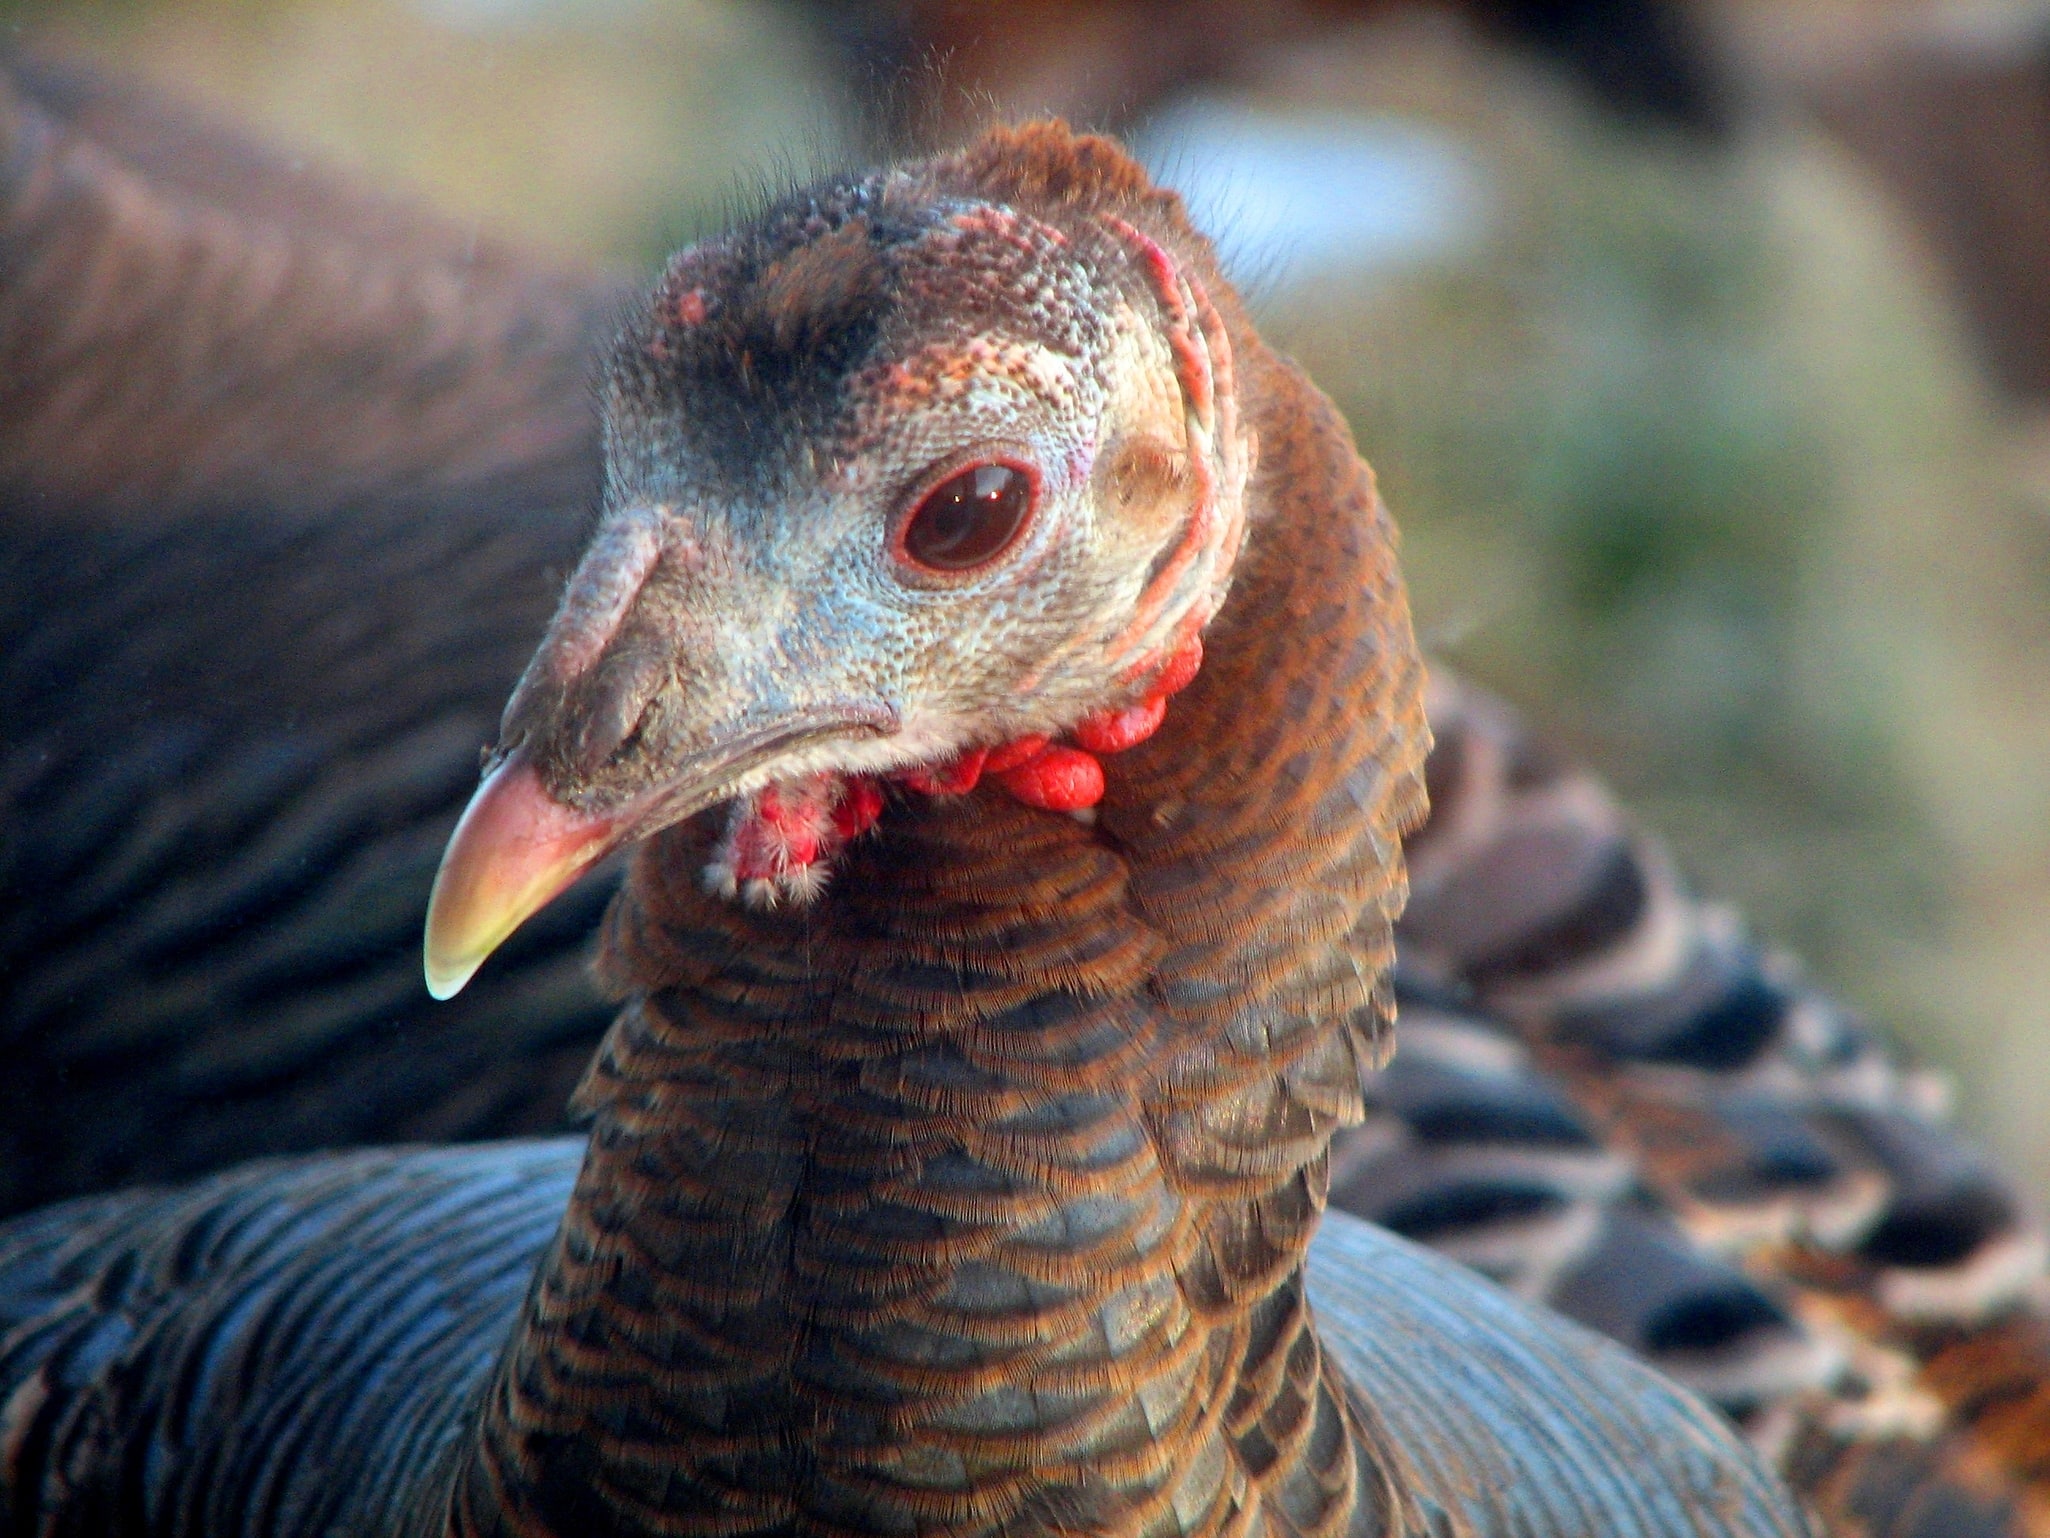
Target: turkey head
(905,485)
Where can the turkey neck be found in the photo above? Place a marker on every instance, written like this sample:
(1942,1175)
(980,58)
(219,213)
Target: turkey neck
(975,1198)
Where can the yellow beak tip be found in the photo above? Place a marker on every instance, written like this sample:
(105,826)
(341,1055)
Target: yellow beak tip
(445,981)
(514,851)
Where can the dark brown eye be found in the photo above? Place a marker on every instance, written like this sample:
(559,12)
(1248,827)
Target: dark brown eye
(970,518)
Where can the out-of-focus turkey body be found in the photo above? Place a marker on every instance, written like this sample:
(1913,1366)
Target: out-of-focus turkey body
(229,769)
(289,477)
(1613,1099)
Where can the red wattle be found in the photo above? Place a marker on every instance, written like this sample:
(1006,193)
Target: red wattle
(1014,755)
(1054,779)
(1113,731)
(860,804)
(950,779)
(1181,669)
(1058,780)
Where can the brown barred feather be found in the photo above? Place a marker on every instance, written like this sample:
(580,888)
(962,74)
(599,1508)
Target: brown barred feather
(1902,1276)
(976,1200)
(1580,1109)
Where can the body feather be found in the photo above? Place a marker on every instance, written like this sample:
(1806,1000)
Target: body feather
(975,1200)
(1609,1100)
(160,1356)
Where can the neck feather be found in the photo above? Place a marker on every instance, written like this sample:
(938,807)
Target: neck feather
(974,1200)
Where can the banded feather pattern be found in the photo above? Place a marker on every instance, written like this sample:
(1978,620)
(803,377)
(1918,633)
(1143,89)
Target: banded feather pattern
(1617,1102)
(164,1316)
(169,1360)
(975,1199)
(246,721)
(252,630)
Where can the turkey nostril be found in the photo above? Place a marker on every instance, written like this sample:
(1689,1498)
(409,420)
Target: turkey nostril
(631,742)
(612,729)
(609,714)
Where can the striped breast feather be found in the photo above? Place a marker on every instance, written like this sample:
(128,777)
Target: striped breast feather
(201,1359)
(1612,1099)
(1516,1421)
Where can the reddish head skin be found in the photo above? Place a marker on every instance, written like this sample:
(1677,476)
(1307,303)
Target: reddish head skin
(1058,780)
(1113,731)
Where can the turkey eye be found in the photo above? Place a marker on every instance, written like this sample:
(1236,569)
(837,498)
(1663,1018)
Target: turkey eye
(970,518)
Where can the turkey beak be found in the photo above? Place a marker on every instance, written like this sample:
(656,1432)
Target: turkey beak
(516,849)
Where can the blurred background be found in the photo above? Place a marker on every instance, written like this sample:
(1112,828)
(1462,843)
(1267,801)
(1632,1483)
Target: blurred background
(1703,349)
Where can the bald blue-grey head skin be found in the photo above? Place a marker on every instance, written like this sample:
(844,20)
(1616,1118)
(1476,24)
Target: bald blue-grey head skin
(891,474)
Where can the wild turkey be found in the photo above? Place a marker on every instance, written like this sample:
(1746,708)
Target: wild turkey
(288,1016)
(974,1194)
